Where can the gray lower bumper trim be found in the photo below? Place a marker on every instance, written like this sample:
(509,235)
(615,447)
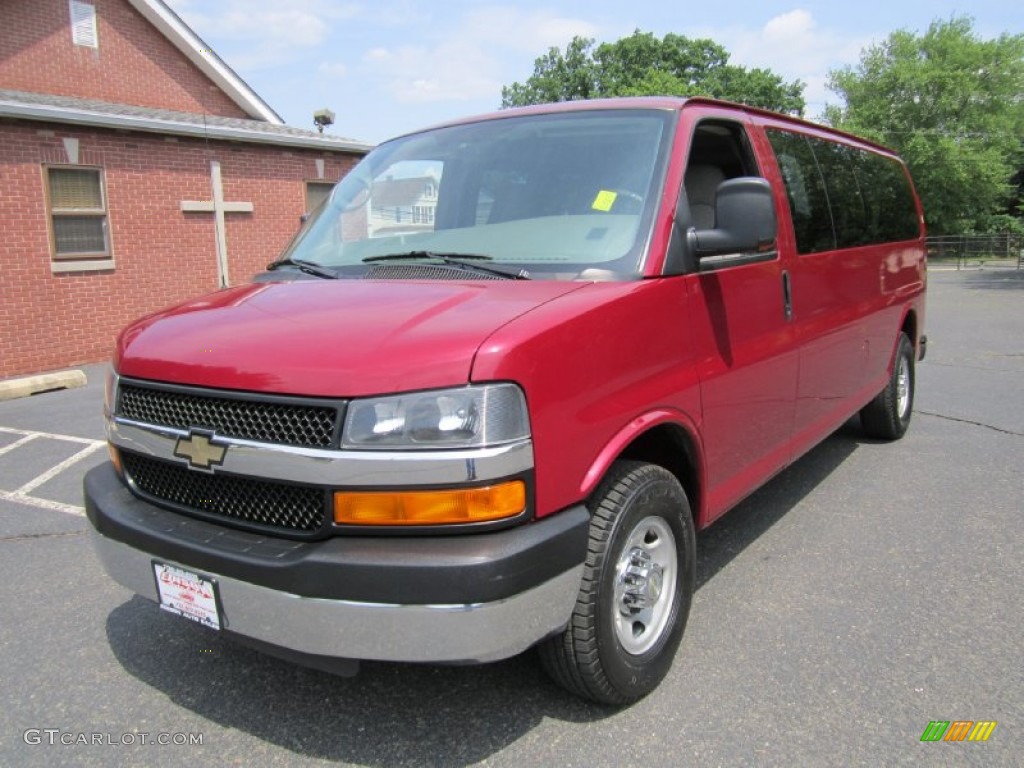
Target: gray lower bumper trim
(481,632)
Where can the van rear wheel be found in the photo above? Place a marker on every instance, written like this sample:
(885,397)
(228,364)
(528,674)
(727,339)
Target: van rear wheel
(888,415)
(637,587)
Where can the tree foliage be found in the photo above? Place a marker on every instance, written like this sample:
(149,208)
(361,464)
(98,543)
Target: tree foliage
(643,65)
(953,106)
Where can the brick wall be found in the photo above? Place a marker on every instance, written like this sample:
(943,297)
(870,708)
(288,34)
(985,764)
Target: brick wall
(161,254)
(134,63)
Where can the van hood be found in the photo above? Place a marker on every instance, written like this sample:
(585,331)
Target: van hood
(338,338)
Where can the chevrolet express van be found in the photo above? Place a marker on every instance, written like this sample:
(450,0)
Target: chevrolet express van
(496,383)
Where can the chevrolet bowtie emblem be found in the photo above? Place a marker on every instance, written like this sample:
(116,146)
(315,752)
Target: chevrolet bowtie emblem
(200,450)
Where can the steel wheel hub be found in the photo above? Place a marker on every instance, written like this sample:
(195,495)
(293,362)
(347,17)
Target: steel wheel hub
(903,387)
(645,585)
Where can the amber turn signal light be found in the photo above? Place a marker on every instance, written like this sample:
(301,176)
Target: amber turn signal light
(115,459)
(439,507)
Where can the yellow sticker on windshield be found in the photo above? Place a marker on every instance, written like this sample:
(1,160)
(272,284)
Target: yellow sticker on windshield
(604,201)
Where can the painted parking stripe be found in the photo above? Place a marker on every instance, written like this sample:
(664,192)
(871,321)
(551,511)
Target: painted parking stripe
(35,501)
(16,443)
(34,434)
(23,495)
(54,471)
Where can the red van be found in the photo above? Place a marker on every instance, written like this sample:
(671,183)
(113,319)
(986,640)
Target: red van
(500,378)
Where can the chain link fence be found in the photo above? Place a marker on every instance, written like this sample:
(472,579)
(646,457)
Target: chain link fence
(977,249)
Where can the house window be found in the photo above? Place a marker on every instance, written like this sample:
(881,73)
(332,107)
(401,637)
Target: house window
(316,193)
(83,24)
(78,213)
(423,214)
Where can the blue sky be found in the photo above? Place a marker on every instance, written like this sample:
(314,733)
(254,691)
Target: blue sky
(386,67)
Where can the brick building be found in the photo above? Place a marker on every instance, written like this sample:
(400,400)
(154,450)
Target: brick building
(136,170)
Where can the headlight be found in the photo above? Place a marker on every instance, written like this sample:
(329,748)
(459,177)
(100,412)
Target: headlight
(446,418)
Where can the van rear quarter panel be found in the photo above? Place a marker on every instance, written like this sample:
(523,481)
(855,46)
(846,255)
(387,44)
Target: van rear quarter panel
(595,365)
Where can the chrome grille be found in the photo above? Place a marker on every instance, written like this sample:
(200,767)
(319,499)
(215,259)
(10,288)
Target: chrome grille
(289,508)
(310,426)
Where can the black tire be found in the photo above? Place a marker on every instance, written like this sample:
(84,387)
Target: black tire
(888,415)
(633,512)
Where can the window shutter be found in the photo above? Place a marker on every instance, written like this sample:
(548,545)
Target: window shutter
(83,24)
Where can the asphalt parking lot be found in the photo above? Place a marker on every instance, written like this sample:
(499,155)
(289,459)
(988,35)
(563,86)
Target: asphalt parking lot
(867,591)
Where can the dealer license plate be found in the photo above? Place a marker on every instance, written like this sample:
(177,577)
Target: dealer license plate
(187,594)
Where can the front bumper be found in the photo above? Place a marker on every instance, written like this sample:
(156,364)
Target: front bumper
(451,599)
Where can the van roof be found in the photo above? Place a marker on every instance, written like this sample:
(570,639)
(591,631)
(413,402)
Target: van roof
(673,103)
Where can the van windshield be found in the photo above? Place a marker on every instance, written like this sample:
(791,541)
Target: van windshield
(555,196)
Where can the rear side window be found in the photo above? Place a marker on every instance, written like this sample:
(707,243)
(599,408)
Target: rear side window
(847,200)
(841,196)
(890,204)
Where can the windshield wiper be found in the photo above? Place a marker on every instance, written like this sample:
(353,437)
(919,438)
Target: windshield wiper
(464,260)
(304,266)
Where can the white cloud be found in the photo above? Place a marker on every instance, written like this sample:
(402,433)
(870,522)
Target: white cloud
(533,32)
(793,26)
(276,31)
(260,33)
(467,62)
(794,46)
(454,70)
(332,69)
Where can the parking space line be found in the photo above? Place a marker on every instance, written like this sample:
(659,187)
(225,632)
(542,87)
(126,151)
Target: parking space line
(22,495)
(31,485)
(35,501)
(16,443)
(34,434)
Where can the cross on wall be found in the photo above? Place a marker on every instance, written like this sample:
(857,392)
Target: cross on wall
(218,206)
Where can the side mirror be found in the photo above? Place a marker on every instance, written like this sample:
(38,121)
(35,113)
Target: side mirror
(745,225)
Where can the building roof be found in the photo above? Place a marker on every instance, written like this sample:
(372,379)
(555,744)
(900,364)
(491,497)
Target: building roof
(101,114)
(182,37)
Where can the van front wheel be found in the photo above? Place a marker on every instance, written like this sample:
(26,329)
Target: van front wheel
(888,415)
(637,586)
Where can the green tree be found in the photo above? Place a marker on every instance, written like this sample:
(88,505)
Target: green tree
(953,106)
(557,77)
(643,65)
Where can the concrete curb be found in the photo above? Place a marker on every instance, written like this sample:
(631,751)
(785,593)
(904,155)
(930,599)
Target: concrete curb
(11,389)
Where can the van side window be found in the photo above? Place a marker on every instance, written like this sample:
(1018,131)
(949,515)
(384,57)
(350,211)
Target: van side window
(805,189)
(719,150)
(839,167)
(893,213)
(841,196)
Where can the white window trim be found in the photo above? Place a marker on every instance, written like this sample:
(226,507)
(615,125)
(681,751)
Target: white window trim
(97,265)
(87,261)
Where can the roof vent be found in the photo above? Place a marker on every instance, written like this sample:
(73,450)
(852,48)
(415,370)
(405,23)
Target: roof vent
(83,24)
